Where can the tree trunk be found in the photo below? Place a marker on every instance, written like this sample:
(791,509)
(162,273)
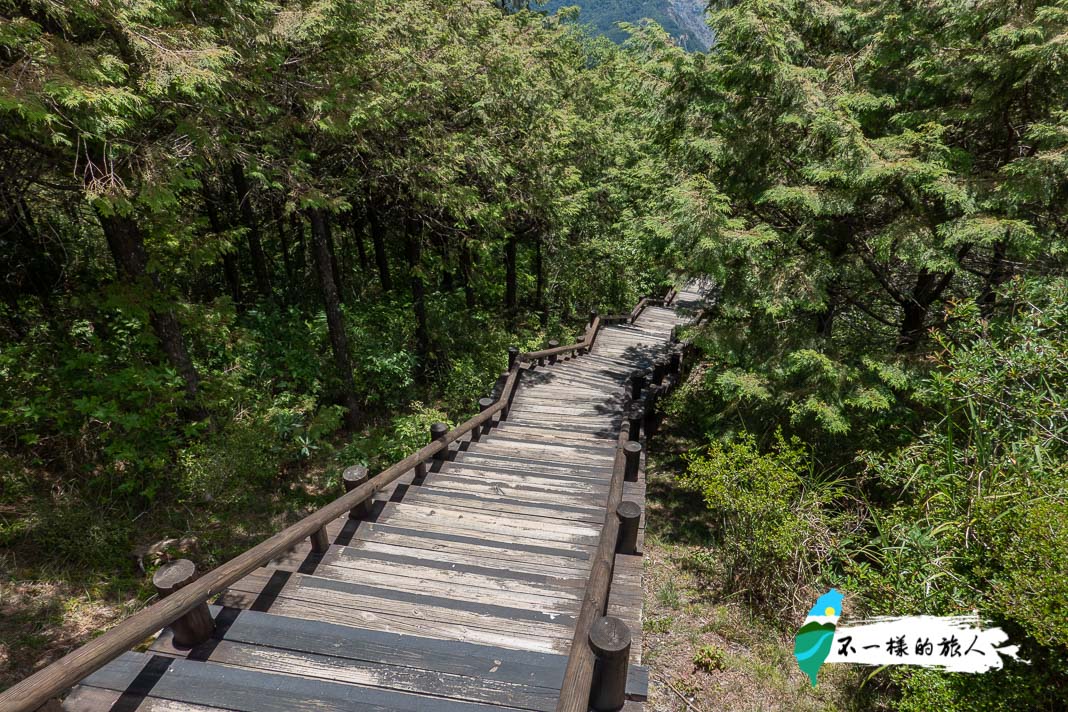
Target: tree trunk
(231,272)
(335,320)
(539,288)
(509,275)
(465,276)
(1000,273)
(928,288)
(297,225)
(283,237)
(414,248)
(127,245)
(255,244)
(338,284)
(358,227)
(379,243)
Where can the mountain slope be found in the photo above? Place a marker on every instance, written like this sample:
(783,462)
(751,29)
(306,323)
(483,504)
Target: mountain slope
(683,19)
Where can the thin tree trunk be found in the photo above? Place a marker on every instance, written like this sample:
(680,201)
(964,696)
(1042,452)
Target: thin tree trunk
(231,273)
(333,259)
(1000,273)
(465,276)
(358,228)
(379,243)
(283,237)
(335,320)
(510,275)
(539,288)
(127,246)
(414,248)
(255,244)
(297,226)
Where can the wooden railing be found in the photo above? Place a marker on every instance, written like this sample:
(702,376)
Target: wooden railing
(601,644)
(191,599)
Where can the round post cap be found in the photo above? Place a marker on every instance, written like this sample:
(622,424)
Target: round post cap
(174,575)
(609,637)
(629,510)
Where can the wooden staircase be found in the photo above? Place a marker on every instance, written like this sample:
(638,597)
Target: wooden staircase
(459,591)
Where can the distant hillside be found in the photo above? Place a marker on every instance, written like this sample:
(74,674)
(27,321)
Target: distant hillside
(683,19)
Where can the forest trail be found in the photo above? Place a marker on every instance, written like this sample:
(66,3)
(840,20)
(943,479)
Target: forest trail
(459,591)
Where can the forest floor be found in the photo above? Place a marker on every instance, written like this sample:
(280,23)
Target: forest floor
(709,649)
(77,567)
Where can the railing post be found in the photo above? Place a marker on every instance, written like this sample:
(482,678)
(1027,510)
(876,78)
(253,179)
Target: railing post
(610,642)
(197,625)
(675,334)
(437,432)
(632,452)
(630,514)
(484,404)
(593,316)
(660,367)
(513,354)
(637,383)
(320,542)
(651,398)
(676,361)
(352,478)
(635,414)
(553,343)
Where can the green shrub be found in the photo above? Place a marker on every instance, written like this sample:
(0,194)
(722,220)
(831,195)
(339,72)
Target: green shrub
(710,658)
(767,514)
(978,518)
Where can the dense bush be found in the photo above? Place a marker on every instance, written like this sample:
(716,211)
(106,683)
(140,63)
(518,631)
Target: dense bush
(767,515)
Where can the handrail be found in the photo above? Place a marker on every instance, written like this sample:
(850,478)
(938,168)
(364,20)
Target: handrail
(578,675)
(34,691)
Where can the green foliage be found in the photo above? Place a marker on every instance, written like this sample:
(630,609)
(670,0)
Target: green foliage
(710,658)
(980,514)
(768,515)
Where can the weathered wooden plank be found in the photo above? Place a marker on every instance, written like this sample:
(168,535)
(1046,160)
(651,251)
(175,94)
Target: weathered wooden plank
(244,690)
(533,465)
(490,502)
(529,563)
(410,613)
(513,525)
(501,543)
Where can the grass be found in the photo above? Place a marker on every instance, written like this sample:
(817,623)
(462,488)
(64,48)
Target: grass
(708,650)
(71,568)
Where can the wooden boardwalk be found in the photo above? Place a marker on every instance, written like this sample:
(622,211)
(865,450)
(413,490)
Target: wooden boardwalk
(458,592)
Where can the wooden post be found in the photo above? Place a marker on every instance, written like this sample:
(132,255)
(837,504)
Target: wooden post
(651,398)
(352,478)
(553,343)
(637,383)
(513,354)
(320,542)
(634,420)
(632,451)
(676,361)
(610,642)
(593,316)
(630,514)
(483,405)
(675,334)
(660,367)
(197,625)
(437,432)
